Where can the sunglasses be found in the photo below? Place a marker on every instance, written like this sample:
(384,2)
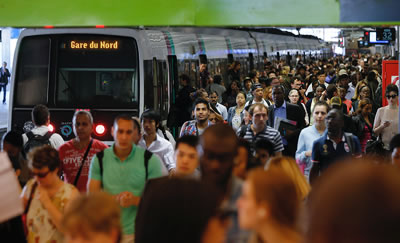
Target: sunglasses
(391,96)
(41,175)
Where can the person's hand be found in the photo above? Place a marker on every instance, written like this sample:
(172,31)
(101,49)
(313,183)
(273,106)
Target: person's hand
(386,124)
(308,153)
(43,196)
(127,199)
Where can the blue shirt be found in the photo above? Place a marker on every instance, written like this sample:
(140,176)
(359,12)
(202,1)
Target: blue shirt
(281,112)
(306,140)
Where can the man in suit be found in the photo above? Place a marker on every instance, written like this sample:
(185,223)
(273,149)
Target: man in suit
(290,112)
(4,75)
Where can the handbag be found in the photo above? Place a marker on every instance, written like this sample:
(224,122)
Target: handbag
(375,147)
(24,215)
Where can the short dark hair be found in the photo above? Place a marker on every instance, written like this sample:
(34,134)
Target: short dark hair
(217,79)
(40,115)
(330,90)
(200,101)
(151,115)
(185,77)
(391,88)
(264,144)
(44,156)
(190,140)
(14,138)
(322,103)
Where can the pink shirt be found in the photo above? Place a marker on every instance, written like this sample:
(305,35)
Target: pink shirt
(71,159)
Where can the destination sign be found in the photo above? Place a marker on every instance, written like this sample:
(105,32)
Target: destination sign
(94,45)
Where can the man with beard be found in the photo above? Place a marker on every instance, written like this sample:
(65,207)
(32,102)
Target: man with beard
(334,145)
(201,112)
(219,148)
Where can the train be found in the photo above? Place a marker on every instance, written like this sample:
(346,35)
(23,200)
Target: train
(110,71)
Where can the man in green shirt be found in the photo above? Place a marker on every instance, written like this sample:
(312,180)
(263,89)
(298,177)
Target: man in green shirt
(124,172)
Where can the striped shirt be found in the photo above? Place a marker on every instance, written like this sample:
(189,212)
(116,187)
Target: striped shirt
(268,133)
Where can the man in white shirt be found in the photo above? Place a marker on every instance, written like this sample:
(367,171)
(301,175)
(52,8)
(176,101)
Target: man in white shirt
(153,142)
(221,108)
(258,96)
(321,76)
(41,120)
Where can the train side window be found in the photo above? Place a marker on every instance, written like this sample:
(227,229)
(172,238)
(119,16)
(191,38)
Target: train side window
(32,74)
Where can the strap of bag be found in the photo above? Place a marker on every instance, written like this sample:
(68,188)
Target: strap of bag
(147,156)
(350,142)
(83,162)
(30,197)
(100,156)
(30,135)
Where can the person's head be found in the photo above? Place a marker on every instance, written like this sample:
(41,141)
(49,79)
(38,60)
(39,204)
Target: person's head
(392,94)
(275,82)
(176,210)
(242,159)
(259,115)
(82,123)
(271,74)
(184,79)
(40,115)
(334,122)
(234,86)
(355,202)
(240,99)
(201,110)
(219,145)
(137,130)
(320,111)
(294,96)
(236,65)
(319,90)
(321,77)
(215,116)
(278,95)
(217,79)
(213,97)
(331,91)
(365,92)
(257,91)
(44,163)
(202,94)
(92,218)
(12,143)
(267,93)
(268,197)
(186,155)
(364,107)
(247,84)
(124,132)
(4,64)
(264,151)
(150,120)
(343,80)
(290,167)
(342,92)
(395,150)
(296,83)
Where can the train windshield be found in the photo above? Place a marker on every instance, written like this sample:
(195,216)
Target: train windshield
(88,70)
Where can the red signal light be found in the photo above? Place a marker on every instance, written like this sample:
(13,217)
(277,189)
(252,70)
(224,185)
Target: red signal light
(100,130)
(50,127)
(48,26)
(99,26)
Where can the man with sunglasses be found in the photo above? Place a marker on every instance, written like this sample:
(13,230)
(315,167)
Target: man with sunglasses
(219,148)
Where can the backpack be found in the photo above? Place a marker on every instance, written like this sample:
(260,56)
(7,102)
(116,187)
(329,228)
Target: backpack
(35,140)
(147,156)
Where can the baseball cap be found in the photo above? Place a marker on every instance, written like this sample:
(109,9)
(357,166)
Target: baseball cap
(336,101)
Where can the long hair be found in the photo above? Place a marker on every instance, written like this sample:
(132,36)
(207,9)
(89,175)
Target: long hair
(362,104)
(289,166)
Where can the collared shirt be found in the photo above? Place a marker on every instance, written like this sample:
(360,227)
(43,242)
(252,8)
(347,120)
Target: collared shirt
(128,175)
(55,140)
(350,92)
(255,102)
(281,112)
(190,128)
(306,139)
(326,152)
(163,148)
(222,109)
(268,133)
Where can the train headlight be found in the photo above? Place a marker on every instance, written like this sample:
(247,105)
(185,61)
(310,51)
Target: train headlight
(100,129)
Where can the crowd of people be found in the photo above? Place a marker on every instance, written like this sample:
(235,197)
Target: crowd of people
(272,156)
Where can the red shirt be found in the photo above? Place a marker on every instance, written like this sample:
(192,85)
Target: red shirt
(71,159)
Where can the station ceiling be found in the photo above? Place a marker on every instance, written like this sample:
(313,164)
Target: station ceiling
(78,13)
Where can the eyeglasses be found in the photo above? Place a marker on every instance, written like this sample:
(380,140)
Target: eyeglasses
(41,175)
(391,96)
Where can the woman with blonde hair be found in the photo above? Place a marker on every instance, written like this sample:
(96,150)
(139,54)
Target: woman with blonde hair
(290,168)
(269,206)
(92,218)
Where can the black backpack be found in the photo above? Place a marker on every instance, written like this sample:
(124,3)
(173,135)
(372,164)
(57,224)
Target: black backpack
(147,156)
(35,140)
